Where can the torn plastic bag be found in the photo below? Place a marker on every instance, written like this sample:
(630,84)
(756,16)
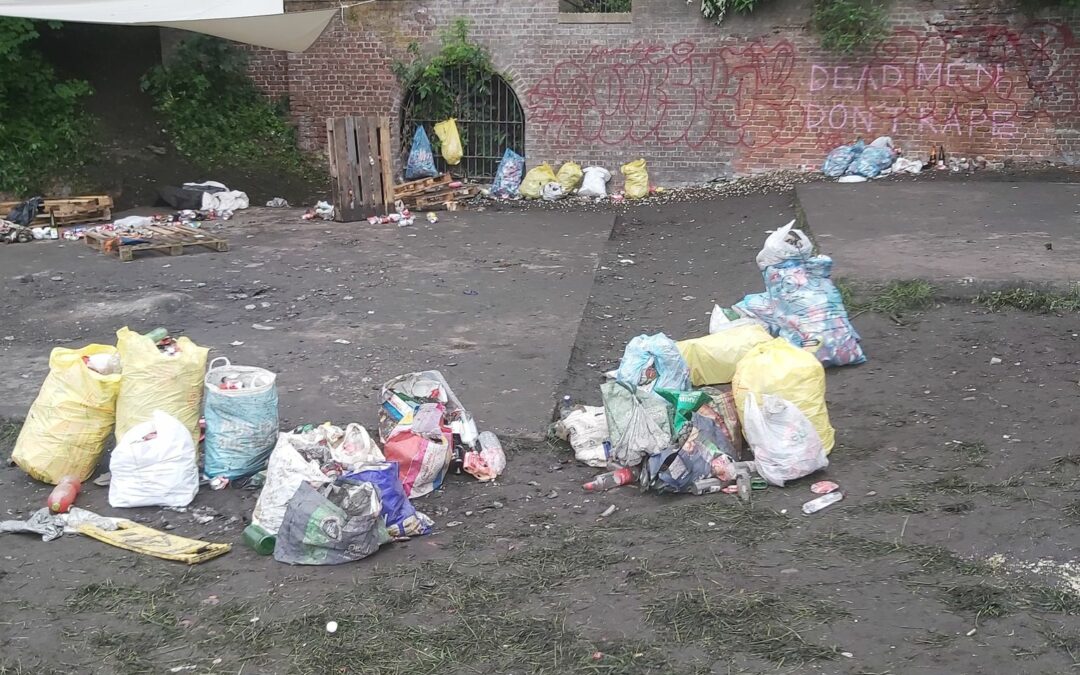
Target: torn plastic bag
(712,358)
(552,192)
(786,446)
(401,518)
(786,243)
(682,406)
(638,422)
(489,461)
(661,353)
(339,524)
(673,470)
(316,456)
(52,525)
(154,464)
(241,424)
(403,396)
(423,459)
(722,409)
(421,163)
(586,429)
(509,174)
(809,312)
(708,436)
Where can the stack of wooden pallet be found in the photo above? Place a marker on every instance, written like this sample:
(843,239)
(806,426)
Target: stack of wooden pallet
(170,239)
(440,192)
(71,211)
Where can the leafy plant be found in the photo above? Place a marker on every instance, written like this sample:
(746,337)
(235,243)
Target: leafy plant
(718,9)
(43,132)
(847,25)
(215,114)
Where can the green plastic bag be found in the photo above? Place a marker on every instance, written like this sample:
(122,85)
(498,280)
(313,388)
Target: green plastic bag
(638,422)
(683,405)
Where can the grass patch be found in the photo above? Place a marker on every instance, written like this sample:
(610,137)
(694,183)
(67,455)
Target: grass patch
(955,484)
(893,298)
(744,525)
(973,453)
(766,625)
(958,507)
(926,557)
(934,639)
(981,600)
(899,504)
(1064,641)
(1032,300)
(1071,511)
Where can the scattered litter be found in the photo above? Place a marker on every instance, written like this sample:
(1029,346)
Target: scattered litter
(259,326)
(342,342)
(278,203)
(815,505)
(236,343)
(141,539)
(608,511)
(331,626)
(995,361)
(824,487)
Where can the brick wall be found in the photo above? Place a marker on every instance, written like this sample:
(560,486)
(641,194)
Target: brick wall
(695,99)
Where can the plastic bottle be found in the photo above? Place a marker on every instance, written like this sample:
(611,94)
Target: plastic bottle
(566,406)
(63,495)
(815,505)
(611,479)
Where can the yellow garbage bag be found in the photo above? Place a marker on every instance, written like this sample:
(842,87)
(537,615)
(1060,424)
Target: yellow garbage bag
(70,420)
(156,381)
(637,179)
(535,180)
(780,368)
(450,141)
(569,176)
(712,358)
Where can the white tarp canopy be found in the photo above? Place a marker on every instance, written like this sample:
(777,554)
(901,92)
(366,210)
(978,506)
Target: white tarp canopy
(258,22)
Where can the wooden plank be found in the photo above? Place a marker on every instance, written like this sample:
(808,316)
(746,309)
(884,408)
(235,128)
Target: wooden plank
(343,211)
(387,170)
(373,193)
(361,139)
(420,186)
(330,146)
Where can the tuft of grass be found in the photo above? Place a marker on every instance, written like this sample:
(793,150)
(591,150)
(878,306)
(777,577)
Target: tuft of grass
(745,525)
(1064,641)
(981,600)
(972,452)
(955,484)
(9,433)
(899,504)
(934,639)
(1032,300)
(893,298)
(770,626)
(958,507)
(1071,511)
(927,557)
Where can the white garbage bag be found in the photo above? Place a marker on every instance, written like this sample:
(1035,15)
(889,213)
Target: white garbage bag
(553,192)
(786,446)
(594,184)
(586,430)
(154,465)
(784,244)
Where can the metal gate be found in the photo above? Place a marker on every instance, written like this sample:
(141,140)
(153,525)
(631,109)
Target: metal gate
(489,120)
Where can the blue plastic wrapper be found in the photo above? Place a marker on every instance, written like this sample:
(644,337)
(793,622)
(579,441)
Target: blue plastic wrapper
(509,174)
(839,159)
(671,369)
(421,162)
(675,470)
(872,161)
(402,518)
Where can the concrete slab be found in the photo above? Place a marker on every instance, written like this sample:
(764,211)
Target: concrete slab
(981,234)
(491,299)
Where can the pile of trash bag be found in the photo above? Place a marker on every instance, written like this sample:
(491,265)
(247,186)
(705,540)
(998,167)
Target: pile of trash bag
(859,159)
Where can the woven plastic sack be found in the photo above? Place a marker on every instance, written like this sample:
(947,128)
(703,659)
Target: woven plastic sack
(637,179)
(70,420)
(712,358)
(594,182)
(509,174)
(536,179)
(872,161)
(786,446)
(449,141)
(658,352)
(156,381)
(154,464)
(809,312)
(569,176)
(339,525)
(637,420)
(840,158)
(778,368)
(241,424)
(421,162)
(401,517)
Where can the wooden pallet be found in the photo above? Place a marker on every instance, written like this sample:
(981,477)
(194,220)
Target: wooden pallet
(359,149)
(170,239)
(72,211)
(419,187)
(443,199)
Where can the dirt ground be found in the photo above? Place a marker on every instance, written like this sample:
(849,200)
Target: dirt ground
(951,551)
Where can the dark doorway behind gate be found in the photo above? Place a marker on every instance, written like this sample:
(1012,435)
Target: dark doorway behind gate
(489,119)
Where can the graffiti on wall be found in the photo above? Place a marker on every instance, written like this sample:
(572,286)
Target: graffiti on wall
(757,94)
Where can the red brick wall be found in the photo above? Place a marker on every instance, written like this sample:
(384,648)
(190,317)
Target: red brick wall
(690,97)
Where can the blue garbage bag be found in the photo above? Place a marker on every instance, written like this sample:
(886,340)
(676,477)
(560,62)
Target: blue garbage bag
(671,369)
(840,158)
(809,311)
(421,162)
(402,518)
(872,161)
(674,470)
(509,174)
(241,423)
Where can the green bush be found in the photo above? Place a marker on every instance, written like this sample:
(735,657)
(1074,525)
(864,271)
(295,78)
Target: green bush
(43,132)
(847,25)
(718,9)
(215,115)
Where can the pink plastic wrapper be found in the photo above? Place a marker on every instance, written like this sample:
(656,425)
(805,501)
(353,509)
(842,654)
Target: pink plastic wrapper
(487,463)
